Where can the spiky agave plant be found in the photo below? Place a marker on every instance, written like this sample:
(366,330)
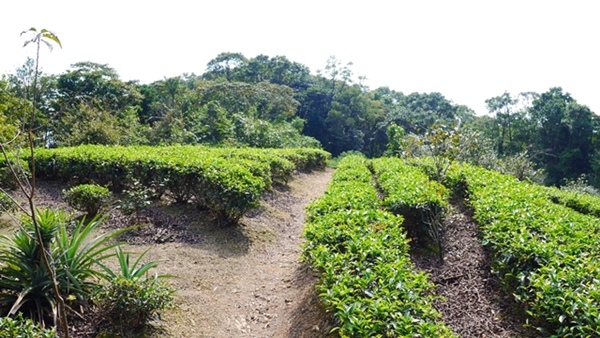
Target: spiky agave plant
(25,284)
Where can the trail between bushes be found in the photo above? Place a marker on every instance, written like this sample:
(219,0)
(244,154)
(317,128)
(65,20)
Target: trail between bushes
(475,305)
(247,281)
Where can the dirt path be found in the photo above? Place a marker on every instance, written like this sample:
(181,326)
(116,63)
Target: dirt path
(245,281)
(475,306)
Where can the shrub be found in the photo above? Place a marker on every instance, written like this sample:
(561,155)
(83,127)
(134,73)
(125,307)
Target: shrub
(226,181)
(89,198)
(581,185)
(6,203)
(367,279)
(8,180)
(19,327)
(129,304)
(545,254)
(135,199)
(409,192)
(129,300)
(334,162)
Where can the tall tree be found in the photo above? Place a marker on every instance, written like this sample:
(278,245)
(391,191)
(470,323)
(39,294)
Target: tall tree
(501,106)
(223,66)
(563,136)
(11,112)
(92,94)
(96,84)
(21,83)
(277,70)
(266,100)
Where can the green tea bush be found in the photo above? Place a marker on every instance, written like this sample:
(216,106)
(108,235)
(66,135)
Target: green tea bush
(578,200)
(409,192)
(6,203)
(351,188)
(135,199)
(129,304)
(18,327)
(8,180)
(334,162)
(89,198)
(546,254)
(353,168)
(367,279)
(226,181)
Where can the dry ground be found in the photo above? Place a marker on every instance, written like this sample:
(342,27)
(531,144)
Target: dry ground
(238,281)
(247,281)
(474,305)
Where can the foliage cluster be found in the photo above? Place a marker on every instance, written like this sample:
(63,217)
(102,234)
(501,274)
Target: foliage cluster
(83,279)
(409,192)
(556,132)
(367,278)
(18,327)
(130,299)
(11,167)
(130,304)
(208,176)
(6,203)
(351,187)
(89,198)
(582,202)
(135,198)
(25,285)
(580,185)
(547,254)
(443,145)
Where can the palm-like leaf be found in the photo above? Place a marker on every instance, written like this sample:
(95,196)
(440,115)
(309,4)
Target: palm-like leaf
(25,284)
(41,36)
(130,271)
(77,256)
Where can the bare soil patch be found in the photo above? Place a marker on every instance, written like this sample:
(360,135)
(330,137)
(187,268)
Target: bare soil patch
(237,281)
(246,280)
(474,305)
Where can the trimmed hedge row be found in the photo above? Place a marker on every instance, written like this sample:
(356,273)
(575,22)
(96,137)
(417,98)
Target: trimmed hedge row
(406,186)
(227,181)
(583,203)
(347,191)
(367,278)
(547,255)
(409,192)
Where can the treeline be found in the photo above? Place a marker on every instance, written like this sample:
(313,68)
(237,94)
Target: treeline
(275,102)
(261,101)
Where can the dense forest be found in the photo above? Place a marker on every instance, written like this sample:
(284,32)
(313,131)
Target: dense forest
(275,102)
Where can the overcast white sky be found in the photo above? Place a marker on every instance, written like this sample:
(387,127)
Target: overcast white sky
(467,50)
